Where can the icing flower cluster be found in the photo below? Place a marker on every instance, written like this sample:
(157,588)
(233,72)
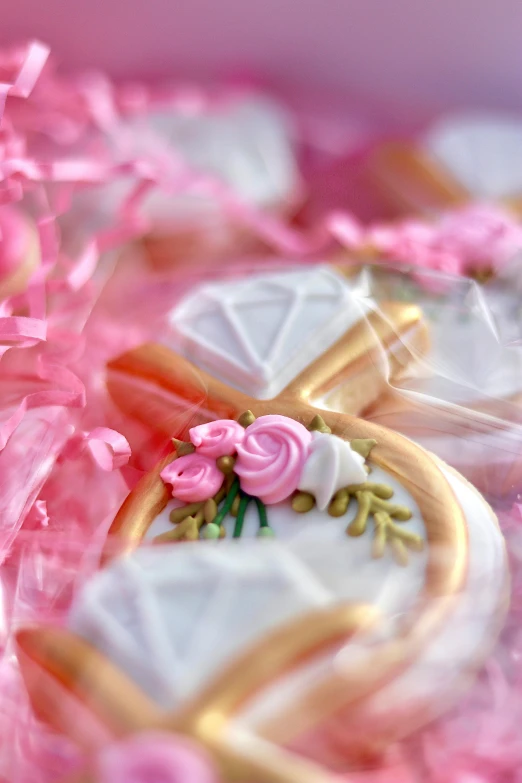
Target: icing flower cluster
(476,240)
(265,461)
(274,457)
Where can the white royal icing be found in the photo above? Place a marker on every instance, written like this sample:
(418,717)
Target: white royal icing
(331,465)
(172,615)
(258,333)
(234,591)
(481,150)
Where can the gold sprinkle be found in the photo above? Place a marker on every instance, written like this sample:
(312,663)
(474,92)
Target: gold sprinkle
(177,515)
(302,502)
(226,464)
(363,446)
(210,510)
(318,424)
(246,419)
(182,448)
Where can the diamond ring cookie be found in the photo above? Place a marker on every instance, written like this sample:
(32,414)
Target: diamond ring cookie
(301,333)
(315,586)
(243,143)
(461,158)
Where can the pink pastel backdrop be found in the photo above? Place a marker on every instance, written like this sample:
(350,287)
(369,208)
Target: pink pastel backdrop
(440,53)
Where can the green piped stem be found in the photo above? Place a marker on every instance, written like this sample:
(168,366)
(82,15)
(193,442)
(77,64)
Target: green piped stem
(261,511)
(227,505)
(243,503)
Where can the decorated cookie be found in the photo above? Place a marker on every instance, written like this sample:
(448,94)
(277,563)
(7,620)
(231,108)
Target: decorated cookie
(19,251)
(298,333)
(314,586)
(470,388)
(461,158)
(242,143)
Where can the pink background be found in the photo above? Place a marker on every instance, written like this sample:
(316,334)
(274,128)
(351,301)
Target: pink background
(437,52)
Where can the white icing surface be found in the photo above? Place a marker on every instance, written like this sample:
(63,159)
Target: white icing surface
(171,615)
(438,672)
(235,590)
(245,143)
(481,150)
(258,333)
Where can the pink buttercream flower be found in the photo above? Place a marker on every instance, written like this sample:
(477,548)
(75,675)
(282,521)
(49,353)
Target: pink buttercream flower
(271,457)
(154,758)
(466,241)
(413,242)
(193,477)
(482,236)
(217,438)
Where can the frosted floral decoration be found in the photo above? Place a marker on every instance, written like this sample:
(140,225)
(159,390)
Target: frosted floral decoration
(477,240)
(274,459)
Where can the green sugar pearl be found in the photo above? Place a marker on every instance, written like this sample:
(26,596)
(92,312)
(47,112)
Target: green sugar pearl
(265,532)
(211,531)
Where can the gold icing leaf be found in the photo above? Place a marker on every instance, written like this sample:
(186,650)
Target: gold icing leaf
(318,424)
(177,515)
(188,530)
(363,446)
(182,448)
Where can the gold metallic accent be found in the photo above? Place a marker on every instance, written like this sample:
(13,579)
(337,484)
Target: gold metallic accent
(302,502)
(246,419)
(501,419)
(182,448)
(363,446)
(179,514)
(317,425)
(168,394)
(210,510)
(412,181)
(118,705)
(226,464)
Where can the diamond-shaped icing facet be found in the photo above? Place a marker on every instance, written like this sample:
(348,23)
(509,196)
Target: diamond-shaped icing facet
(259,333)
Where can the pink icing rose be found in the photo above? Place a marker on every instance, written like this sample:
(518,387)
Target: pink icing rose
(154,758)
(218,438)
(480,235)
(271,457)
(413,242)
(193,477)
